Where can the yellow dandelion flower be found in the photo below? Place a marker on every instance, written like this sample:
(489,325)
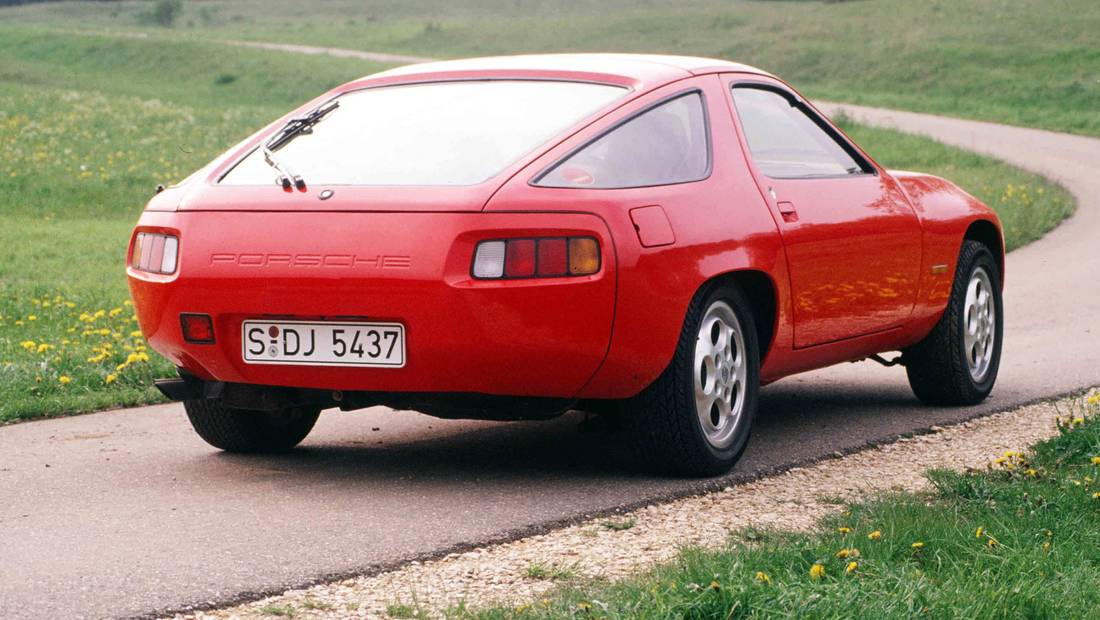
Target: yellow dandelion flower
(114,312)
(992,542)
(1031,473)
(1096,495)
(584,606)
(763,577)
(714,585)
(111,378)
(32,317)
(851,568)
(843,553)
(875,535)
(136,333)
(1046,546)
(1095,460)
(817,571)
(917,545)
(28,344)
(979,532)
(42,348)
(844,530)
(65,379)
(1078,421)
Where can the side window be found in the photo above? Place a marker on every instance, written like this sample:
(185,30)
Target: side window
(786,143)
(665,144)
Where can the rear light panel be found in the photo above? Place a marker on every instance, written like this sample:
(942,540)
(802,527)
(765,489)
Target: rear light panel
(541,257)
(155,253)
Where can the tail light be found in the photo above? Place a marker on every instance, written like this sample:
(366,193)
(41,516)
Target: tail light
(545,257)
(197,328)
(155,253)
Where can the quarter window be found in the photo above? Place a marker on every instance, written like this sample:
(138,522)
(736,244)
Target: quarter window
(666,144)
(785,142)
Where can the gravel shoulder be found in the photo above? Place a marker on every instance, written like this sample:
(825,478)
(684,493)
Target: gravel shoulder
(609,548)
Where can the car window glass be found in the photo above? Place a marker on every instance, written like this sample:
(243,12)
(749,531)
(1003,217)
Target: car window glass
(440,133)
(665,144)
(786,143)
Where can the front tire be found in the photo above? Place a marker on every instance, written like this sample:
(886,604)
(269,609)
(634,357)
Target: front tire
(957,363)
(239,430)
(694,420)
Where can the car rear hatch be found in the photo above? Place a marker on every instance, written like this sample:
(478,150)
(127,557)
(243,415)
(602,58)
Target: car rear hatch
(296,257)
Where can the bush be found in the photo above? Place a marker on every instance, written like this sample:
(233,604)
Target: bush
(164,13)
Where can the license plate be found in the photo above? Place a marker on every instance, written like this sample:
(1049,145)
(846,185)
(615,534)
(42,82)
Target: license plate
(324,344)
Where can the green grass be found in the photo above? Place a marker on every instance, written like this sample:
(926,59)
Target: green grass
(1026,62)
(88,127)
(618,526)
(89,124)
(551,572)
(1021,540)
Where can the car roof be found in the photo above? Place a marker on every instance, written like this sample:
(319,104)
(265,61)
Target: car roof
(637,70)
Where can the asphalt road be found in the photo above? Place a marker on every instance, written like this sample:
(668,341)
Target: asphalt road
(128,513)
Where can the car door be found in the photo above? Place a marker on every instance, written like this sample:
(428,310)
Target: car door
(853,241)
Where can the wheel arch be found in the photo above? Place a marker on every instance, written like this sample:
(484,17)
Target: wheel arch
(988,234)
(762,295)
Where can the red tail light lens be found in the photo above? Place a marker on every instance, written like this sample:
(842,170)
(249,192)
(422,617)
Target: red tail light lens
(553,257)
(155,253)
(519,258)
(545,257)
(197,328)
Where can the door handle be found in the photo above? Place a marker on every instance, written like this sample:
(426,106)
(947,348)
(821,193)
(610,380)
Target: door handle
(787,210)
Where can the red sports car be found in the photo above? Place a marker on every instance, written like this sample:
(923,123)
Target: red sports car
(511,238)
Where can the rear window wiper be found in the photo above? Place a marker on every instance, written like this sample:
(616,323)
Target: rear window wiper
(292,129)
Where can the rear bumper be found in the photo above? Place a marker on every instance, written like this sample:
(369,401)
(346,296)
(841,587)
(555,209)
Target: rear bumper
(543,338)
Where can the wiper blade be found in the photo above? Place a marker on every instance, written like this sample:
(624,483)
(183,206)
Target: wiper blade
(292,129)
(299,125)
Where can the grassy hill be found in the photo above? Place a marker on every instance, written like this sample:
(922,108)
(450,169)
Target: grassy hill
(1026,62)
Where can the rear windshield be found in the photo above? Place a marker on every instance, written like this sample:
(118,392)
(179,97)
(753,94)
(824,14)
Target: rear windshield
(442,133)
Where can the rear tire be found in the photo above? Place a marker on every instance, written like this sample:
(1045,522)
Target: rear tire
(695,419)
(957,363)
(240,430)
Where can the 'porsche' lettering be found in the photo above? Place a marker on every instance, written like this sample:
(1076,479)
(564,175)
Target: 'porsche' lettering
(322,261)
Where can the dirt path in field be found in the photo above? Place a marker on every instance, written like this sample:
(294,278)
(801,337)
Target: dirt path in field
(128,513)
(330,51)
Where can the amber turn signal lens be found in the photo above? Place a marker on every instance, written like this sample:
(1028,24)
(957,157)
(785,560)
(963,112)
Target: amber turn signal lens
(584,256)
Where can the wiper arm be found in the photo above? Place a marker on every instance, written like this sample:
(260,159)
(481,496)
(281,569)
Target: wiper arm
(286,178)
(292,129)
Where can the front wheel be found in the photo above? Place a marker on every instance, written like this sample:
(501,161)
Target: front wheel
(957,363)
(240,430)
(694,420)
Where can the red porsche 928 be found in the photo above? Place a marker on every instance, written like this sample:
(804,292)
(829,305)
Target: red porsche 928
(515,237)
